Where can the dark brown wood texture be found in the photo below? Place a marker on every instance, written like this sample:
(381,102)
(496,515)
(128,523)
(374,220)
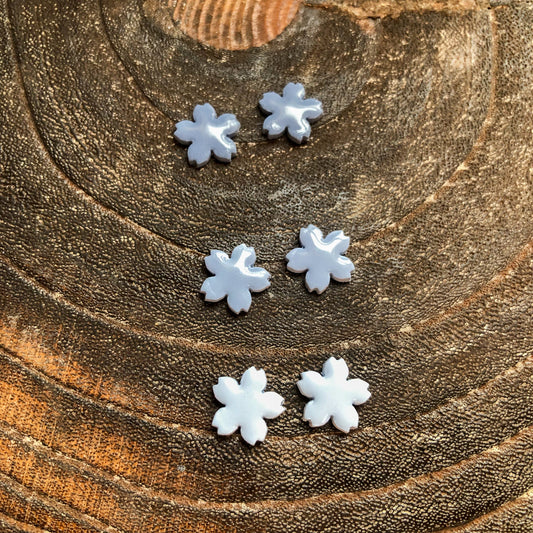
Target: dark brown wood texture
(108,352)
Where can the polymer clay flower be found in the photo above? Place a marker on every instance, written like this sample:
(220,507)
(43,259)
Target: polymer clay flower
(234,277)
(333,395)
(246,405)
(321,257)
(208,134)
(291,112)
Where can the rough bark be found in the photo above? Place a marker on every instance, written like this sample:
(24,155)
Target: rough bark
(107,350)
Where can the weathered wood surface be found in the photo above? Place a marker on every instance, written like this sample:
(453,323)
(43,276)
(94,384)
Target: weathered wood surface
(108,352)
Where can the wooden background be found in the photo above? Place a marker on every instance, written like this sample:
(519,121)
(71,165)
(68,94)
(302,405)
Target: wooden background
(108,351)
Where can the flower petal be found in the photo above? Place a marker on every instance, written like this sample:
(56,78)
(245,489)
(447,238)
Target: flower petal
(310,383)
(335,368)
(243,255)
(317,280)
(342,270)
(186,131)
(358,390)
(272,402)
(213,289)
(333,236)
(229,123)
(345,418)
(215,261)
(239,300)
(225,422)
(313,109)
(342,244)
(270,102)
(273,127)
(298,260)
(226,390)
(316,413)
(294,91)
(254,379)
(258,279)
(223,151)
(204,113)
(299,132)
(199,153)
(310,235)
(254,430)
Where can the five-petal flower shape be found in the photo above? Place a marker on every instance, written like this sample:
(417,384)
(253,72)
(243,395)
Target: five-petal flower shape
(234,277)
(334,395)
(321,258)
(246,405)
(208,134)
(291,112)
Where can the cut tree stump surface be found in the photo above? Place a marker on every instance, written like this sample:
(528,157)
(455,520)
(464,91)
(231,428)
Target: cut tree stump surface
(108,352)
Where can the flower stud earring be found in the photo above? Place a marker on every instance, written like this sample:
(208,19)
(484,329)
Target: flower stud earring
(234,277)
(333,395)
(291,112)
(321,258)
(246,405)
(208,134)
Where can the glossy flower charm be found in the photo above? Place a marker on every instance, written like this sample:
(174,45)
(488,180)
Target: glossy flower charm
(321,258)
(234,277)
(246,405)
(208,134)
(291,112)
(334,395)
